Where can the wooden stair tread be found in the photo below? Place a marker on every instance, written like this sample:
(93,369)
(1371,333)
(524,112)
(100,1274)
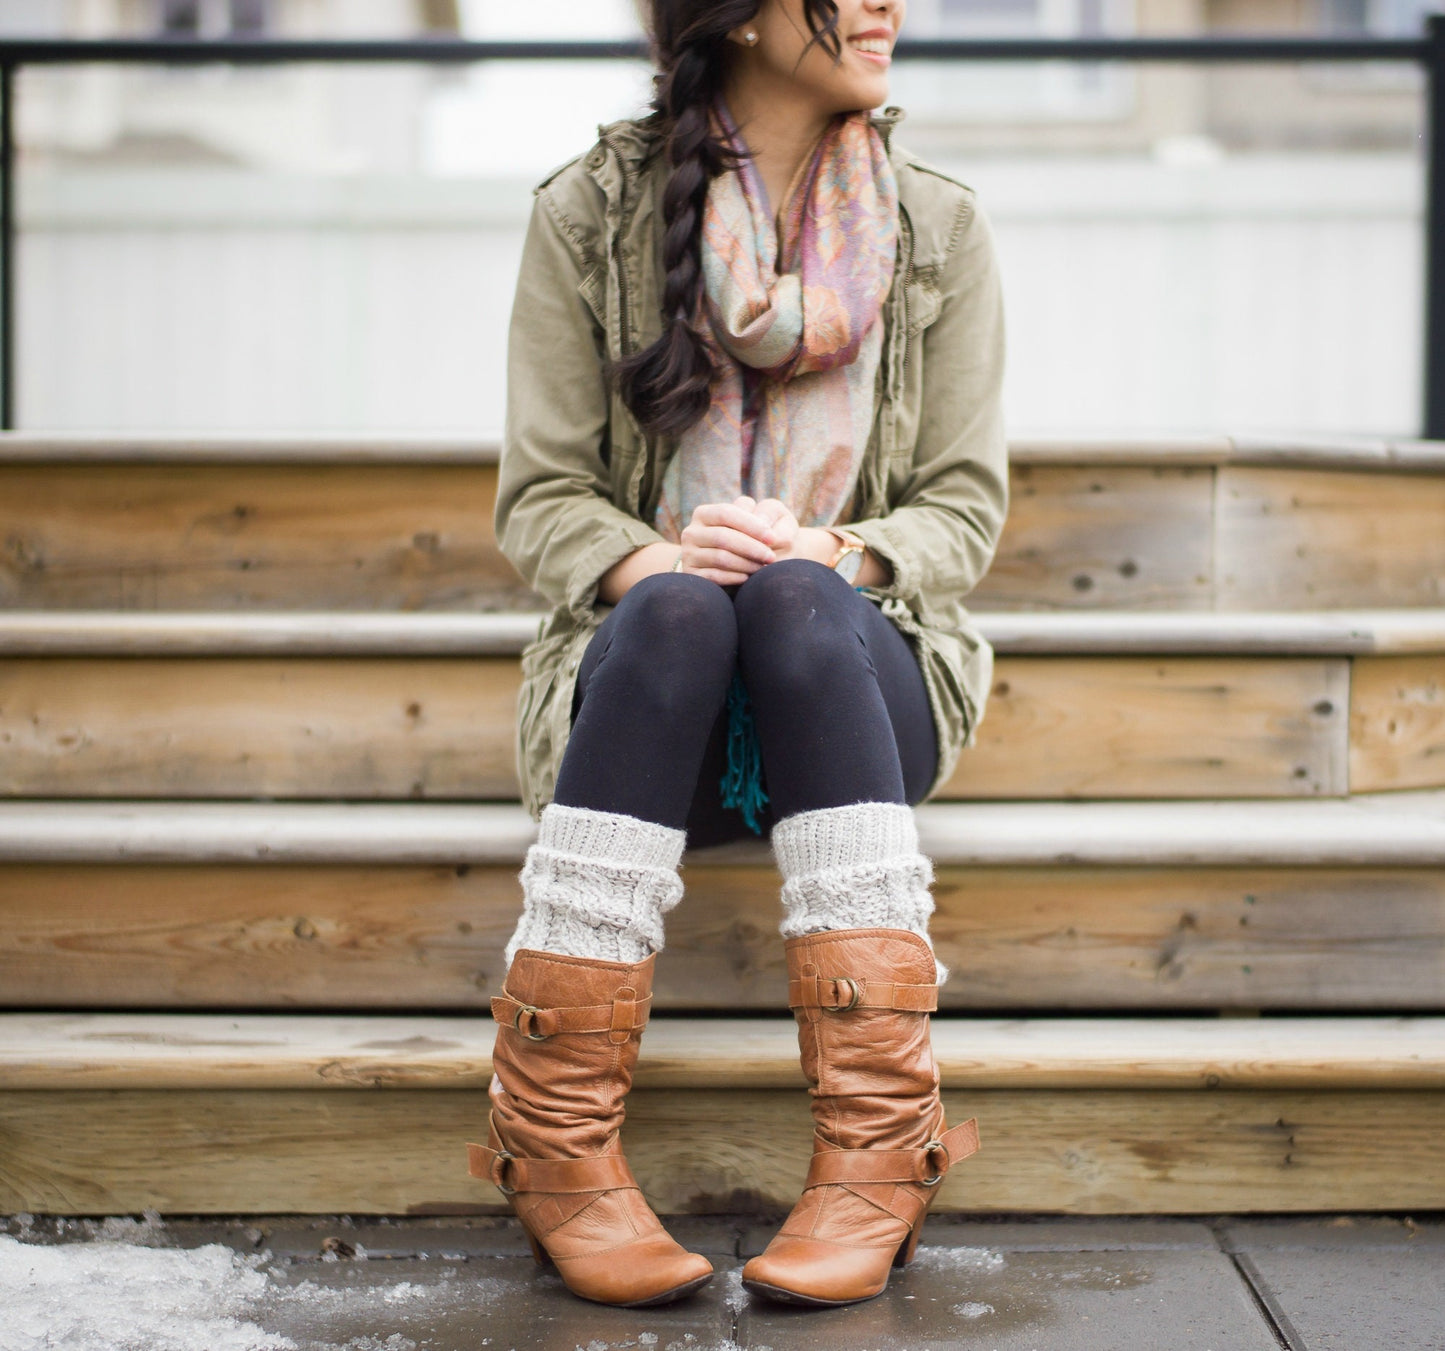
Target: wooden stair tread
(263,1051)
(1405,829)
(1097,632)
(376,447)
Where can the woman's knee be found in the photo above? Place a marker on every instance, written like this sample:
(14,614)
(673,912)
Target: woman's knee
(793,621)
(677,616)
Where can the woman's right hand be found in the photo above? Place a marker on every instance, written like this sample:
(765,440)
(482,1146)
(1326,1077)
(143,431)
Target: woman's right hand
(727,542)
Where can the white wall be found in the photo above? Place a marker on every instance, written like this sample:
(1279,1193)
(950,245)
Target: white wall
(1252,294)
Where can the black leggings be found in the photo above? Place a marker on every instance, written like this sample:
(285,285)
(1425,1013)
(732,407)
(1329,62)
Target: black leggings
(838,699)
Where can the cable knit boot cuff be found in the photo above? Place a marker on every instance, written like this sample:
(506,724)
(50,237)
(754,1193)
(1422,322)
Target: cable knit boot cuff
(597,884)
(854,867)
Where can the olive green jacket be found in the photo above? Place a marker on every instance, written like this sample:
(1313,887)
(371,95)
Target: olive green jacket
(579,483)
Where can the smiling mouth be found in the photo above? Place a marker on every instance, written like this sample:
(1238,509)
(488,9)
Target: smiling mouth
(875,49)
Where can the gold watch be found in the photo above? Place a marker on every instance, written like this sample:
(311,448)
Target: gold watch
(848,561)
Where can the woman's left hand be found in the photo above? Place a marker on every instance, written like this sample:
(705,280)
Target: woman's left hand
(791,540)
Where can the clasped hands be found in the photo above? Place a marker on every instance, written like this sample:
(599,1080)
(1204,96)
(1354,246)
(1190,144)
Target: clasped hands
(727,542)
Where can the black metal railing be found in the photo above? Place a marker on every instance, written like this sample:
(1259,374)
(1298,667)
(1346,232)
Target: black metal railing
(1427,51)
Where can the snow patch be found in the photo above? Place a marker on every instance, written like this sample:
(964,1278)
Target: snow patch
(972,1309)
(111,1296)
(957,1259)
(124,1291)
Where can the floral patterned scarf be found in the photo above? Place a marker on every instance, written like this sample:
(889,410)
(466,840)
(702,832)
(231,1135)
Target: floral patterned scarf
(793,328)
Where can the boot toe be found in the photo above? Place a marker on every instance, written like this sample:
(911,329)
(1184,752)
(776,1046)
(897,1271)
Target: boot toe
(654,1270)
(797,1270)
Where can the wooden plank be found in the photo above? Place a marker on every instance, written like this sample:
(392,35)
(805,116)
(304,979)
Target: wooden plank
(1397,723)
(51,1051)
(217,536)
(105,633)
(259,726)
(1119,1151)
(361,447)
(1095,537)
(1294,540)
(219,531)
(444,728)
(1171,727)
(1382,830)
(243,447)
(373,938)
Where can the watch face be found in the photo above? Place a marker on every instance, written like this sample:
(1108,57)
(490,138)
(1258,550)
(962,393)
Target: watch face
(850,565)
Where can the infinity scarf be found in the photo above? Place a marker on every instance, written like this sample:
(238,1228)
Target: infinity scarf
(793,329)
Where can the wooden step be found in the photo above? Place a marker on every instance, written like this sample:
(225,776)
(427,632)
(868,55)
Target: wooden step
(444,727)
(1245,905)
(114,633)
(321,704)
(198,1114)
(1378,830)
(387,523)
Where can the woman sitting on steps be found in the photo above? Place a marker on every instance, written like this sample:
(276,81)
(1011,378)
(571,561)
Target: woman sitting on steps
(754,456)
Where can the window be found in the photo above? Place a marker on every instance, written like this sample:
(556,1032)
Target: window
(1379,18)
(1063,91)
(214,18)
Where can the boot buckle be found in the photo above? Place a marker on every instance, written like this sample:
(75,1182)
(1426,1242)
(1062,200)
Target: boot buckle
(935,1147)
(499,1171)
(855,996)
(528,1010)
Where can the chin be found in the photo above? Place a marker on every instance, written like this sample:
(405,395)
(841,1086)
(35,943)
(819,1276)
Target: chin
(870,95)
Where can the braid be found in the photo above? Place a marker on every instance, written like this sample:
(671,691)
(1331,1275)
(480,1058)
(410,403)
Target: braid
(668,385)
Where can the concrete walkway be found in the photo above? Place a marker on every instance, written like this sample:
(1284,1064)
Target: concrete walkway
(1342,1283)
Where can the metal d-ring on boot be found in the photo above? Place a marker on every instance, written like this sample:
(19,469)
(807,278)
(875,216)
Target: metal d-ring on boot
(862,999)
(568,1031)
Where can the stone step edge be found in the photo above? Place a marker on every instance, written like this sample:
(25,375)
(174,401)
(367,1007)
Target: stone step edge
(341,633)
(83,1051)
(1397,454)
(1403,829)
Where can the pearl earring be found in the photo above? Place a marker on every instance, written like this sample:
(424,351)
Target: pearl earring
(750,37)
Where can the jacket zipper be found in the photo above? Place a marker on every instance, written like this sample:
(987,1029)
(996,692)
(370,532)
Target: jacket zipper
(643,462)
(623,318)
(907,340)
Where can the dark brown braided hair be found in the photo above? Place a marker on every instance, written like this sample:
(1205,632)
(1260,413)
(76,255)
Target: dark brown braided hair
(667,385)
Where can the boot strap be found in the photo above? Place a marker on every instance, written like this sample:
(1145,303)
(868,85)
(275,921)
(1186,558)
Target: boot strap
(925,1165)
(509,1172)
(839,994)
(625,1015)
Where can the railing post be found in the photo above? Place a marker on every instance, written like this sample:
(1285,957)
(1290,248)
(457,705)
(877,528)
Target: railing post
(7,246)
(1434,419)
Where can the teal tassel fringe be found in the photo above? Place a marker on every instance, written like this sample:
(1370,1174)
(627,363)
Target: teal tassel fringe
(742,782)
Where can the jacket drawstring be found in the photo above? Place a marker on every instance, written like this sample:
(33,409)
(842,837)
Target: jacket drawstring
(742,781)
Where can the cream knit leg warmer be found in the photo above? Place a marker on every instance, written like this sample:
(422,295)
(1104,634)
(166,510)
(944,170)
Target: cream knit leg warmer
(597,884)
(854,867)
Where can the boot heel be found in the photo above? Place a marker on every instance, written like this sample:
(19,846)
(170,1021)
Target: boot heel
(909,1246)
(539,1253)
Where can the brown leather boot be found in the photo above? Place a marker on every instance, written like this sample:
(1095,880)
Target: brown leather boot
(862,999)
(568,1030)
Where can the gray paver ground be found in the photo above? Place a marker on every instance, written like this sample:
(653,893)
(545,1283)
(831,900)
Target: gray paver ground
(1014,1284)
(1355,1283)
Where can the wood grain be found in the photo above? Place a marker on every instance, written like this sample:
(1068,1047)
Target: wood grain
(258,726)
(236,536)
(1169,727)
(1080,1152)
(1160,530)
(1103,537)
(1328,540)
(144,1051)
(367,728)
(1397,723)
(370,937)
